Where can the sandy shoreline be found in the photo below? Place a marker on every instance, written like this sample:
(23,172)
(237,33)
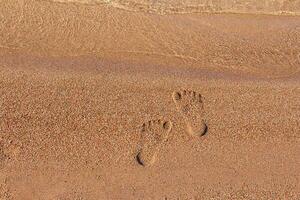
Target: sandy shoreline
(250,44)
(81,130)
(101,103)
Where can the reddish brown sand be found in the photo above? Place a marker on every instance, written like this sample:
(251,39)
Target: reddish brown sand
(101,102)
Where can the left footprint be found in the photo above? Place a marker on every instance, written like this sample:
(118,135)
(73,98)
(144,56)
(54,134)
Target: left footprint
(153,135)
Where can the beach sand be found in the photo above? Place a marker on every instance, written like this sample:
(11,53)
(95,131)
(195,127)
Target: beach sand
(114,100)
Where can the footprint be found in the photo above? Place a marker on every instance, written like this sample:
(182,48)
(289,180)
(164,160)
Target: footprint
(153,135)
(189,104)
(70,196)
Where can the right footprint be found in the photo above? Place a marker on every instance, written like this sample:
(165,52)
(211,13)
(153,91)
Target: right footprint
(154,133)
(189,104)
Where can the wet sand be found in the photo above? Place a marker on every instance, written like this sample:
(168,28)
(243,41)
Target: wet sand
(98,102)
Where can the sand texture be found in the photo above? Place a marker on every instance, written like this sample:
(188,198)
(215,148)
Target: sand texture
(114,100)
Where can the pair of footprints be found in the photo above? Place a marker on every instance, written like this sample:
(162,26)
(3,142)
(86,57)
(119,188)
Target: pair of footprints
(154,133)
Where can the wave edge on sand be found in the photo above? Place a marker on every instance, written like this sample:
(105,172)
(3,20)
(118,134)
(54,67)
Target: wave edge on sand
(278,7)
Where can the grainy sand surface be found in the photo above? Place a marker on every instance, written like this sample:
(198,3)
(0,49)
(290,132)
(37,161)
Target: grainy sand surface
(149,100)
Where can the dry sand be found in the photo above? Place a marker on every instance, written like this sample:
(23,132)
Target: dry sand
(149,100)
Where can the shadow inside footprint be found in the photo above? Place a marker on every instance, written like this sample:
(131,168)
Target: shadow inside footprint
(205,130)
(3,157)
(139,160)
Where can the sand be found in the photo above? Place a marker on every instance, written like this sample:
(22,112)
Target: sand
(149,100)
